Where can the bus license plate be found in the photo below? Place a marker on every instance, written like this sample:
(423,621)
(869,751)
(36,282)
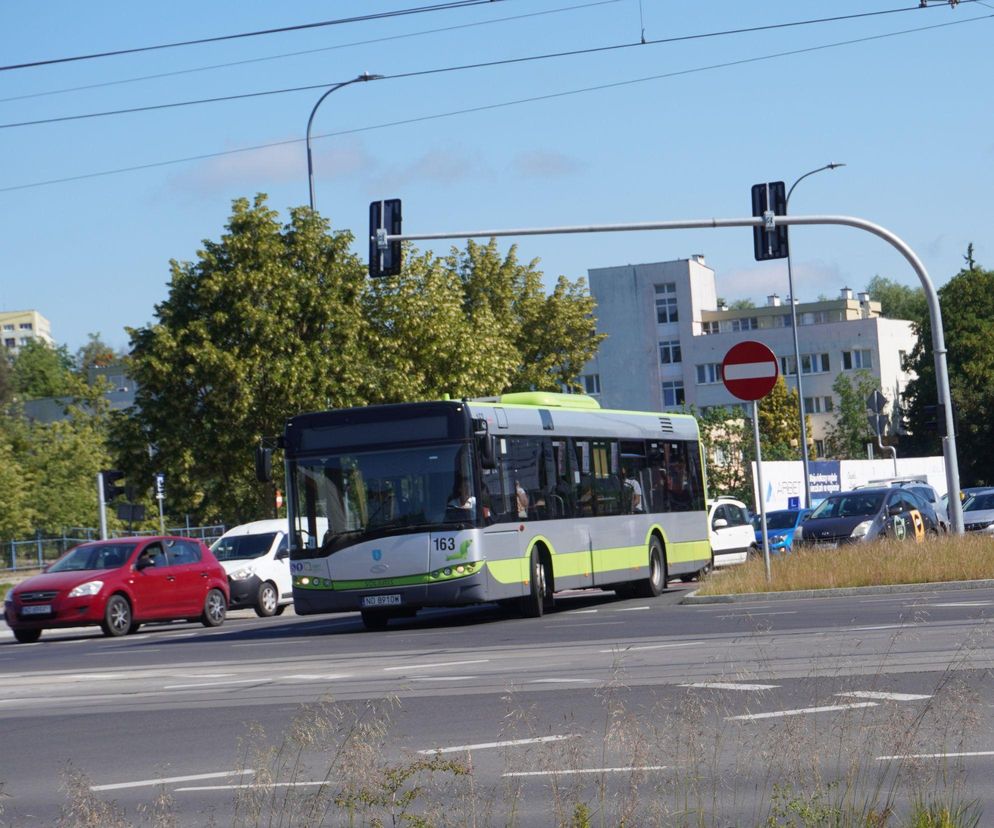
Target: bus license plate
(381,600)
(37,609)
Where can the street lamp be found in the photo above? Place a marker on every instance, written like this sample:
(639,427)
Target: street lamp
(365,76)
(797,347)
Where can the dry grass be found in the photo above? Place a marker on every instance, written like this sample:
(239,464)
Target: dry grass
(948,558)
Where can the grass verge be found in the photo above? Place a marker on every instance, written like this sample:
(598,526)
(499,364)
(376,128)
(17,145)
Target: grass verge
(947,558)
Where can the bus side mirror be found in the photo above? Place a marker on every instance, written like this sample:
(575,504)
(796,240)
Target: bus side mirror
(263,464)
(485,443)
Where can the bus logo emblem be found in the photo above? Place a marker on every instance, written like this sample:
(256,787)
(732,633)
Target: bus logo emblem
(377,554)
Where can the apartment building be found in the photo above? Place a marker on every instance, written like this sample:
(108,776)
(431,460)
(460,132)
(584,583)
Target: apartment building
(18,328)
(667,337)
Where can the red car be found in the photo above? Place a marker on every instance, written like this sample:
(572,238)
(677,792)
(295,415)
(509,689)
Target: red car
(119,584)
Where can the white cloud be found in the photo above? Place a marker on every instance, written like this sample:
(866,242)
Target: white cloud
(439,166)
(544,164)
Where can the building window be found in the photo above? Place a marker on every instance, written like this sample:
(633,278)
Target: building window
(780,321)
(26,326)
(819,448)
(814,364)
(708,328)
(788,366)
(855,360)
(666,310)
(26,339)
(749,323)
(673,393)
(8,327)
(709,373)
(10,343)
(820,317)
(902,360)
(669,351)
(591,383)
(818,405)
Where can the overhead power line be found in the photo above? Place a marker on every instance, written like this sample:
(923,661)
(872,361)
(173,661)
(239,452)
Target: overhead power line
(247,61)
(500,105)
(463,67)
(456,4)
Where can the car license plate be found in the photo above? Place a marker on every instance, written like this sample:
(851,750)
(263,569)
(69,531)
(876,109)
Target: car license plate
(827,545)
(381,600)
(37,609)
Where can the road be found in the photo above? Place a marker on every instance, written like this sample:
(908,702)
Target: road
(644,707)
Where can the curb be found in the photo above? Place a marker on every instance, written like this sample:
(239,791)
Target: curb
(940,586)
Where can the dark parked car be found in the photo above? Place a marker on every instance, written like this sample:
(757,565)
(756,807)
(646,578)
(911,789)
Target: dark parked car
(119,584)
(862,515)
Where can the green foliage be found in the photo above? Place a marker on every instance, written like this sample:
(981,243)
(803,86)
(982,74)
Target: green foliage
(94,354)
(727,439)
(779,423)
(850,432)
(967,302)
(6,379)
(898,301)
(273,320)
(41,370)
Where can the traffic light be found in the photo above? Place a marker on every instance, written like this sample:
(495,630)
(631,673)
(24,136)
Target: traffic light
(112,490)
(769,244)
(384,218)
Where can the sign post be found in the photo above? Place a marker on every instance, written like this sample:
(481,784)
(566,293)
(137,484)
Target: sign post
(160,495)
(749,372)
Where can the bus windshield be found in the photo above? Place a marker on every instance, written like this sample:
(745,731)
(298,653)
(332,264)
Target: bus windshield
(371,493)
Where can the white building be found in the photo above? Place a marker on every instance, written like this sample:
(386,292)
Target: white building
(18,328)
(667,337)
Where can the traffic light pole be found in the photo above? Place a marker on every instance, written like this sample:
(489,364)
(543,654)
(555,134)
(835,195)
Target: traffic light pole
(103,506)
(770,221)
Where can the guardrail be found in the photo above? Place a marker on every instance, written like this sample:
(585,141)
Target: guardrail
(41,550)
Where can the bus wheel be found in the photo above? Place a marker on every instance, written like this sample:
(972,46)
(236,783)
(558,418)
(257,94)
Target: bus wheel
(375,619)
(535,602)
(656,582)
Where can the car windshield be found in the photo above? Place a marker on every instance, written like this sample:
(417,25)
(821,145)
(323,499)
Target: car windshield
(779,520)
(94,556)
(243,547)
(980,502)
(848,505)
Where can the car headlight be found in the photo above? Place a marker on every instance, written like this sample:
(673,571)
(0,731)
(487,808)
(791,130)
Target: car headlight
(89,588)
(243,573)
(861,529)
(9,597)
(777,538)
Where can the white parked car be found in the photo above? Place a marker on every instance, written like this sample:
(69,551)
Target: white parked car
(256,557)
(732,534)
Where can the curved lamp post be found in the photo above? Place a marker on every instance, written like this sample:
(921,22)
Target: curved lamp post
(797,347)
(365,76)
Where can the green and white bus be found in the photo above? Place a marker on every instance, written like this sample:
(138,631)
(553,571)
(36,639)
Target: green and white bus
(510,499)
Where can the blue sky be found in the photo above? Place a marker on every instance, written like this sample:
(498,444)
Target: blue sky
(682,131)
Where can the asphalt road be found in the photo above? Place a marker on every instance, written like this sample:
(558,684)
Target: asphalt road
(667,710)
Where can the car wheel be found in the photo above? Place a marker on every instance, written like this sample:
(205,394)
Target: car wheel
(215,608)
(135,626)
(656,582)
(267,601)
(281,609)
(27,636)
(534,603)
(375,619)
(117,616)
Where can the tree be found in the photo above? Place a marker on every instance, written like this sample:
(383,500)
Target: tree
(6,379)
(727,441)
(779,423)
(967,302)
(850,432)
(898,301)
(41,370)
(94,354)
(16,482)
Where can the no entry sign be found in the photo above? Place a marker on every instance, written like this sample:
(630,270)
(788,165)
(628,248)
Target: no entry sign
(750,370)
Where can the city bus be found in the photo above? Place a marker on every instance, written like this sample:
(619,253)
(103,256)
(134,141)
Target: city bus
(510,499)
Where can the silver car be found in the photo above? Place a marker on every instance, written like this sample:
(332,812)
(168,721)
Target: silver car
(978,512)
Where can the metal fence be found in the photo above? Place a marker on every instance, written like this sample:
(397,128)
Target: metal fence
(43,549)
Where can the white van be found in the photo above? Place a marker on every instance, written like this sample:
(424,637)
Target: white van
(256,557)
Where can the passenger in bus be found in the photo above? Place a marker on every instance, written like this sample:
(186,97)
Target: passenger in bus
(521,498)
(461,497)
(632,492)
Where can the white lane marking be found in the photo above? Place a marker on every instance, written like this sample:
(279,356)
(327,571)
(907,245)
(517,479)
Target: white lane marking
(327,677)
(961,604)
(436,664)
(828,708)
(580,612)
(168,780)
(252,785)
(936,755)
(881,627)
(632,769)
(632,609)
(727,608)
(592,624)
(216,684)
(256,644)
(95,676)
(126,651)
(649,647)
(729,685)
(873,694)
(441,678)
(561,681)
(508,743)
(204,675)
